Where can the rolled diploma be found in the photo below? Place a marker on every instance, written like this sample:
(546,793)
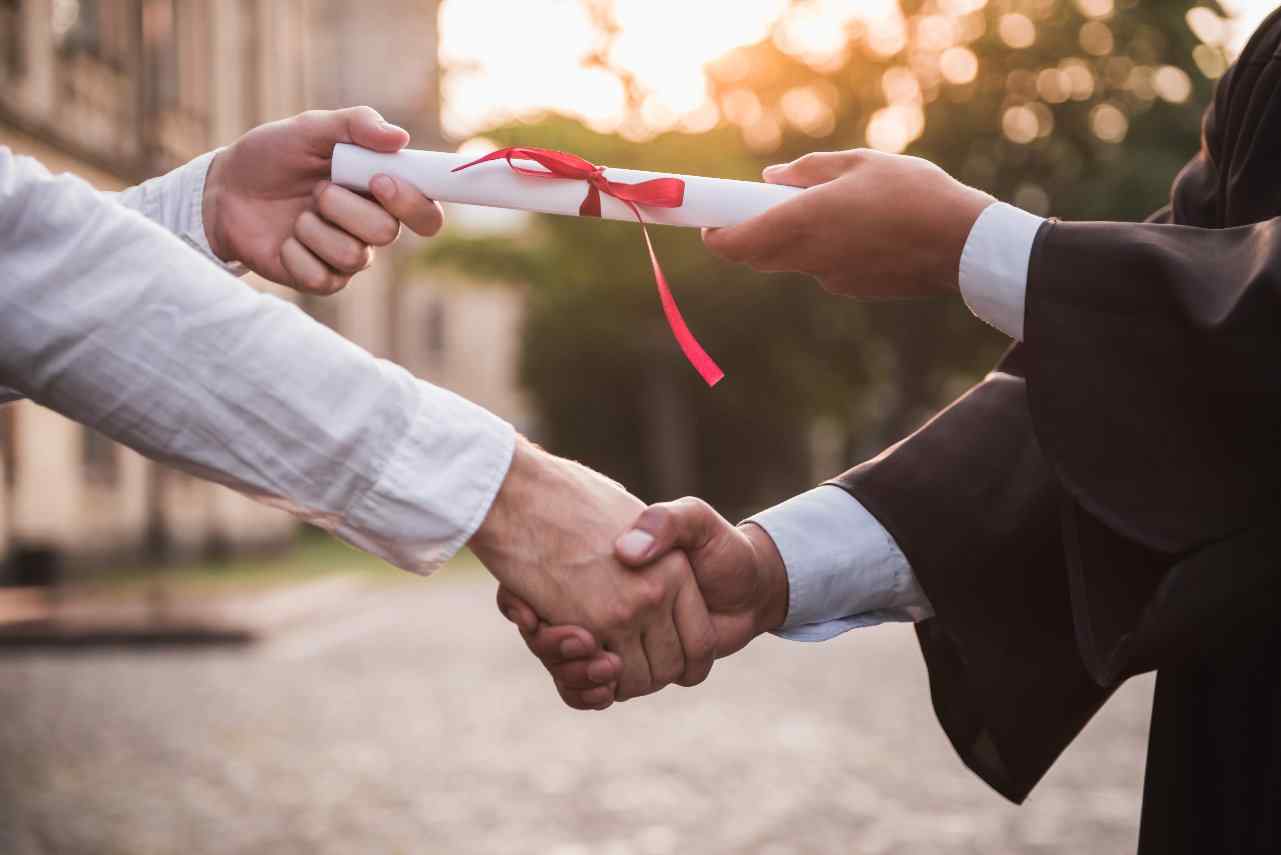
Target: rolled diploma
(709,202)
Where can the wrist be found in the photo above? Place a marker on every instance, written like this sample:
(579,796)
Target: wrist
(517,490)
(211,209)
(771,579)
(961,215)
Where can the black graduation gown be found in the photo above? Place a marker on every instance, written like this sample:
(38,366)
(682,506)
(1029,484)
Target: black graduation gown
(1108,500)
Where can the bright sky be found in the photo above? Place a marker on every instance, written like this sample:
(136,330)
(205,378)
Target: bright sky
(520,58)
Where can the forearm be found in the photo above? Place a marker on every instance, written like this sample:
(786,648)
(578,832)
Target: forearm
(111,321)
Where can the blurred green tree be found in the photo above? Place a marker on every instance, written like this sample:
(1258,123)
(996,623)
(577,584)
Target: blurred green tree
(1085,109)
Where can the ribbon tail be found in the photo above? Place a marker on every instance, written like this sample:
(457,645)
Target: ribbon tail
(703,364)
(591,205)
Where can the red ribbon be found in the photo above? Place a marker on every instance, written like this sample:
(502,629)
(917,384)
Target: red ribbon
(658,193)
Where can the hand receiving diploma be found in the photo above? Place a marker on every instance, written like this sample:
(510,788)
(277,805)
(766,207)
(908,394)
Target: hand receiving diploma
(871,225)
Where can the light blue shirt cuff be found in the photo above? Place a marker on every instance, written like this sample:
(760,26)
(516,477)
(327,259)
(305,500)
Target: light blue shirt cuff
(994,264)
(844,570)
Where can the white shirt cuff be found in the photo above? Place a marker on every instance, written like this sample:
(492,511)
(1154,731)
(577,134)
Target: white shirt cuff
(176,201)
(994,263)
(844,570)
(438,484)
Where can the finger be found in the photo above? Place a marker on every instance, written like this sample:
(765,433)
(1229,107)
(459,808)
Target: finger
(687,524)
(635,679)
(307,272)
(362,126)
(517,611)
(598,698)
(404,202)
(666,656)
(817,167)
(601,670)
(555,645)
(697,636)
(762,236)
(359,217)
(333,246)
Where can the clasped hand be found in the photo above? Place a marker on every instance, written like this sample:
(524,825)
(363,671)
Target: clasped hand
(616,616)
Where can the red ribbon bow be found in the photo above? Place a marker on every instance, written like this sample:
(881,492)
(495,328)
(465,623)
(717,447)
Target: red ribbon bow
(658,193)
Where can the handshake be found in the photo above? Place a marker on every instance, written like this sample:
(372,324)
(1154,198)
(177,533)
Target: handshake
(616,599)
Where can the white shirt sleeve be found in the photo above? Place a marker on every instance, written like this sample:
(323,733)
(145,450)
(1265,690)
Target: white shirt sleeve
(175,202)
(112,321)
(844,570)
(994,263)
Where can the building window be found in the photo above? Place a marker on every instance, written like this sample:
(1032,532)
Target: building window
(12,56)
(436,334)
(9,443)
(100,457)
(178,70)
(97,29)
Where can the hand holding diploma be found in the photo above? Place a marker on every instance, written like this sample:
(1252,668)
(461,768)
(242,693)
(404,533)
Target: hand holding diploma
(871,225)
(268,203)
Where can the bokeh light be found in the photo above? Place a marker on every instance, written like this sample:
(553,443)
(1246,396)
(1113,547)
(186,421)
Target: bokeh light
(1017,30)
(958,65)
(661,65)
(1108,123)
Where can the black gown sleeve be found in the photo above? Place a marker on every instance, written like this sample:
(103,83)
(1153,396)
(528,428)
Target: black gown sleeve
(974,505)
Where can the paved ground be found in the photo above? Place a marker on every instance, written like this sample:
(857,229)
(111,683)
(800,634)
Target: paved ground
(416,724)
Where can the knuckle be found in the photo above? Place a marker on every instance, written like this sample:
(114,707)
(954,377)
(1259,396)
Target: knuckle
(352,256)
(324,195)
(692,505)
(330,284)
(652,592)
(665,676)
(617,614)
(387,232)
(303,225)
(699,672)
(310,118)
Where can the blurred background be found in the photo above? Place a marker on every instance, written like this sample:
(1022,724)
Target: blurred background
(181,669)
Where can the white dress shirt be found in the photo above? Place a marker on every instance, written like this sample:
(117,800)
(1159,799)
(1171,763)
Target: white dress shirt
(115,319)
(844,570)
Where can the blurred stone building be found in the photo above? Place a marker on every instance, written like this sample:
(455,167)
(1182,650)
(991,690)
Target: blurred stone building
(120,90)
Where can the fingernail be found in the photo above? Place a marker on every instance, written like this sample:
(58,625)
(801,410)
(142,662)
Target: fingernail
(383,187)
(635,544)
(774,167)
(600,671)
(388,126)
(572,647)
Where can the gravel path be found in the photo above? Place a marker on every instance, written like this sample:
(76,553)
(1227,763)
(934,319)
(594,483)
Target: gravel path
(416,723)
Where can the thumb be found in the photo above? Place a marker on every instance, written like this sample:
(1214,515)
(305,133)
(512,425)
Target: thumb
(362,126)
(817,167)
(686,524)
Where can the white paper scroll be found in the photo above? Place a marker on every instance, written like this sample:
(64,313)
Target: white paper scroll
(709,202)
